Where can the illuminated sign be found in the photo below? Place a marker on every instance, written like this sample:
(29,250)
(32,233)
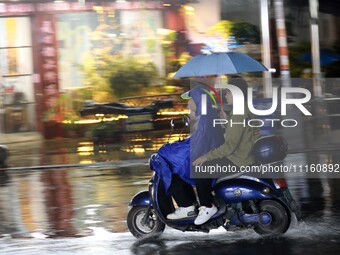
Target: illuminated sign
(88,6)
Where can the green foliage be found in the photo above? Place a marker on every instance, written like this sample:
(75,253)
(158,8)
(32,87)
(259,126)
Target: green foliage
(128,76)
(168,44)
(103,129)
(242,30)
(296,65)
(174,58)
(113,76)
(95,72)
(62,110)
(245,32)
(79,96)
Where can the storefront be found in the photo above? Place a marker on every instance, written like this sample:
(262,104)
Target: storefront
(47,45)
(44,46)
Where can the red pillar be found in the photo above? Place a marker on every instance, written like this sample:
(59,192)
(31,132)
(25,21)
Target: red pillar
(46,74)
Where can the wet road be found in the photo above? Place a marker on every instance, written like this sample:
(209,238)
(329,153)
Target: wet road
(83,211)
(82,151)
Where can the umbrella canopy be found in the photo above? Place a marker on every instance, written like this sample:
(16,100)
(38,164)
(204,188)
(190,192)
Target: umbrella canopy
(327,57)
(220,63)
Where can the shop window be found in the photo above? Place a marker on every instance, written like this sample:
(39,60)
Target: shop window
(16,69)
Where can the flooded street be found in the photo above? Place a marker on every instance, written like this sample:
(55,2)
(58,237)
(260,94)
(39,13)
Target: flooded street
(82,151)
(83,211)
(68,202)
(70,197)
(91,89)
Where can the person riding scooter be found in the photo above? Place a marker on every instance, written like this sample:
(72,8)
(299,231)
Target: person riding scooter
(262,204)
(235,151)
(178,182)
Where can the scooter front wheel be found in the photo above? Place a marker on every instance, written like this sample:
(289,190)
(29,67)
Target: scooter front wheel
(141,225)
(280,220)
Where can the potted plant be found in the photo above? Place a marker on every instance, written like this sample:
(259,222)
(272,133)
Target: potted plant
(70,127)
(60,117)
(106,132)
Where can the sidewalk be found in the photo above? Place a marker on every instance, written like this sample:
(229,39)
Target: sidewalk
(11,138)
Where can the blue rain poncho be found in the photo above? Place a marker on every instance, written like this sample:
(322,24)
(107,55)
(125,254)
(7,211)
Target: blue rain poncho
(174,158)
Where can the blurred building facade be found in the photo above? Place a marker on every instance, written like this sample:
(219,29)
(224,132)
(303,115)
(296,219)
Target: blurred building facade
(44,43)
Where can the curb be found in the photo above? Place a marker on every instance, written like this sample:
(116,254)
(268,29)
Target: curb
(122,163)
(6,139)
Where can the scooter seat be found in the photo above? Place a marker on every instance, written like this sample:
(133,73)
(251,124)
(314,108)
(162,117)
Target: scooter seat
(233,176)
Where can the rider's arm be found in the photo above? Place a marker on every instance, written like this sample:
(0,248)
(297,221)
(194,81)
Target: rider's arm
(233,138)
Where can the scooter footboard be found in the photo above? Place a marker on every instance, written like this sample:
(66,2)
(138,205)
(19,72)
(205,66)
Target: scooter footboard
(140,199)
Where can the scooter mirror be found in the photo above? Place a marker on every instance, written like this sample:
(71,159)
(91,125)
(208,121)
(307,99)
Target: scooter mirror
(186,120)
(172,124)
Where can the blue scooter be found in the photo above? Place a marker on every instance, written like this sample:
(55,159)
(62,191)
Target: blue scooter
(266,205)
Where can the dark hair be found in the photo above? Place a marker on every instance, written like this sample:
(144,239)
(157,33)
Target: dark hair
(240,83)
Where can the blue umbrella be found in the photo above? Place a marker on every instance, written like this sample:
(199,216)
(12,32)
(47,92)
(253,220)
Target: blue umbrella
(327,57)
(219,63)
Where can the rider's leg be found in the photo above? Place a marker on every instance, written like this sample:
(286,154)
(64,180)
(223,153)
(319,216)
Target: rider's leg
(185,198)
(207,208)
(182,192)
(203,187)
(204,192)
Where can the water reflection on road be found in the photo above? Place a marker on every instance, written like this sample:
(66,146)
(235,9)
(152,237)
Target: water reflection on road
(66,202)
(43,211)
(84,151)
(53,206)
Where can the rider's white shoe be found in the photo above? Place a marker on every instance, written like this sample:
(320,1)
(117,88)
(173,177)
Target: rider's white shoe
(182,212)
(205,213)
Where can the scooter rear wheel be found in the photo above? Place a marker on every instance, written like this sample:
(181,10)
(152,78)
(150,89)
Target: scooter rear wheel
(280,219)
(138,228)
